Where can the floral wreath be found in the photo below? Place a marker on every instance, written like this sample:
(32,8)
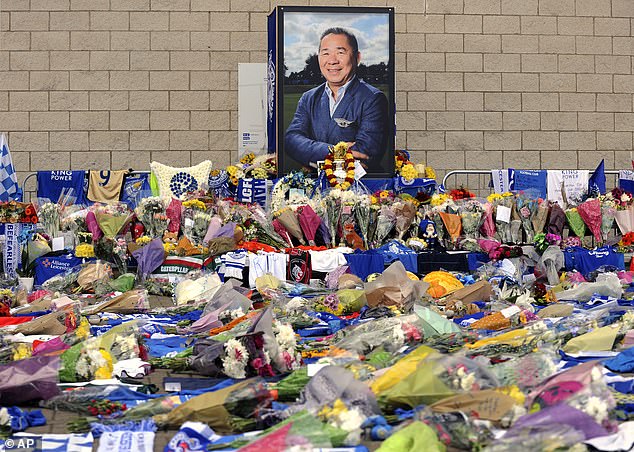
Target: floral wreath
(295,179)
(339,149)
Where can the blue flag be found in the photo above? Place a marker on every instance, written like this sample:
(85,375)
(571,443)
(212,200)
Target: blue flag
(596,183)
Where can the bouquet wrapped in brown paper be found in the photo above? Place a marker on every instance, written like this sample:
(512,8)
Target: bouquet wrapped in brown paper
(394,288)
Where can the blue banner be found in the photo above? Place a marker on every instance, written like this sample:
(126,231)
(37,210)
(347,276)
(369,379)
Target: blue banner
(531,181)
(252,190)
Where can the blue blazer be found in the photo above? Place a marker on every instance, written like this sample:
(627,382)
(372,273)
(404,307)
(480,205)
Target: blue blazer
(362,117)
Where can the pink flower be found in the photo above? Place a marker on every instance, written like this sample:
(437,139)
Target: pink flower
(257,363)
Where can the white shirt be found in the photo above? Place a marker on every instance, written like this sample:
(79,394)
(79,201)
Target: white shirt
(332,103)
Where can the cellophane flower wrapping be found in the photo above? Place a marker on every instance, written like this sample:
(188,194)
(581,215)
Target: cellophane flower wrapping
(390,334)
(434,378)
(453,225)
(195,220)
(228,410)
(384,224)
(502,225)
(540,217)
(472,216)
(575,222)
(625,220)
(362,211)
(608,212)
(151,212)
(48,214)
(590,212)
(93,359)
(488,223)
(526,208)
(333,206)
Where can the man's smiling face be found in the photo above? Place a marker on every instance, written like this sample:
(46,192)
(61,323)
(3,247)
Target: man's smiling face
(337,60)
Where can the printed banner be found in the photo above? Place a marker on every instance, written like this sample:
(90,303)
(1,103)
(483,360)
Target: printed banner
(252,190)
(533,182)
(11,256)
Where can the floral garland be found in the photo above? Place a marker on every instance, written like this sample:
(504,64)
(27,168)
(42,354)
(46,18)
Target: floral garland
(295,179)
(339,148)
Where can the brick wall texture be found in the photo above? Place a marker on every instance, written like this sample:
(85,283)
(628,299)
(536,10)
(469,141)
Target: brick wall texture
(480,84)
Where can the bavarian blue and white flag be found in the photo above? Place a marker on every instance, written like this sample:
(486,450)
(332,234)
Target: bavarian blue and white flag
(9,188)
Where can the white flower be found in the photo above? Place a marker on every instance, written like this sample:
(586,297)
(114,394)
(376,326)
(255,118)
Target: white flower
(467,382)
(596,408)
(350,420)
(625,197)
(398,336)
(596,374)
(285,336)
(296,304)
(236,313)
(5,417)
(235,361)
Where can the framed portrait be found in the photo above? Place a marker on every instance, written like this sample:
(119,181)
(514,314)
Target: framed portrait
(331,79)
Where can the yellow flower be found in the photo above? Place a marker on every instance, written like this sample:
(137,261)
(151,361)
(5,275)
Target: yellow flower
(341,147)
(85,250)
(248,158)
(374,199)
(430,173)
(408,172)
(494,197)
(195,204)
(439,199)
(144,240)
(105,372)
(22,351)
(169,247)
(345,185)
(259,173)
(514,392)
(6,293)
(506,194)
(83,330)
(232,170)
(384,194)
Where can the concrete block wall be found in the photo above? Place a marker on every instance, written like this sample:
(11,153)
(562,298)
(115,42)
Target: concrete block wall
(480,83)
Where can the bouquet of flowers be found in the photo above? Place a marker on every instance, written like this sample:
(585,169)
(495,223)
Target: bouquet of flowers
(94,358)
(333,206)
(575,222)
(389,334)
(624,215)
(405,212)
(151,212)
(342,302)
(503,204)
(471,215)
(608,212)
(541,215)
(296,188)
(384,224)
(288,219)
(195,220)
(526,208)
(49,216)
(112,218)
(362,215)
(17,212)
(590,212)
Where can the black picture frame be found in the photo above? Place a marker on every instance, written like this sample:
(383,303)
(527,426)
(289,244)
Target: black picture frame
(279,111)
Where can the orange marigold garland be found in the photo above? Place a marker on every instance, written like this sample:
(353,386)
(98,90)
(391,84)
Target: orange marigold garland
(339,148)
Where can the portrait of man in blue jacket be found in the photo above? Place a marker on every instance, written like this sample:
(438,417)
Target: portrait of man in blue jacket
(344,108)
